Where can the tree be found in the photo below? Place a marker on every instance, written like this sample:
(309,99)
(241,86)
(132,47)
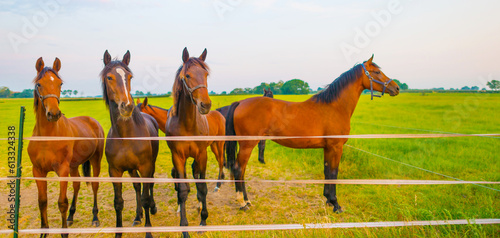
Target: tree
(295,86)
(64,92)
(260,89)
(27,93)
(465,88)
(237,91)
(223,93)
(4,92)
(139,93)
(402,86)
(75,92)
(475,88)
(493,84)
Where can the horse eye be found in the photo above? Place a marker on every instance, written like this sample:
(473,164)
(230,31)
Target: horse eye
(38,85)
(187,76)
(377,72)
(109,78)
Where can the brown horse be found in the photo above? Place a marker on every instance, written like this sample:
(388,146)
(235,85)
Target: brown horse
(326,113)
(134,156)
(189,116)
(213,118)
(63,157)
(262,144)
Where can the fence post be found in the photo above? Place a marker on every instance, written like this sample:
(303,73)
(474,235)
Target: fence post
(18,173)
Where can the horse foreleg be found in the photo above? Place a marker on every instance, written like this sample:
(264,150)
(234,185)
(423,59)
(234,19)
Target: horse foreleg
(332,157)
(199,171)
(218,150)
(118,201)
(96,170)
(146,196)
(63,171)
(182,188)
(137,188)
(42,198)
(76,188)
(262,147)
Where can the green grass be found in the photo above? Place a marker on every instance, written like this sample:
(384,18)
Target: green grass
(468,158)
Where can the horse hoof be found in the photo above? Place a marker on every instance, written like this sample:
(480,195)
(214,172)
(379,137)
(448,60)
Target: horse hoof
(249,204)
(262,161)
(136,223)
(245,208)
(217,189)
(185,235)
(70,223)
(96,223)
(337,210)
(148,235)
(154,210)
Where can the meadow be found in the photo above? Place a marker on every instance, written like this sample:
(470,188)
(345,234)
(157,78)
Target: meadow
(466,158)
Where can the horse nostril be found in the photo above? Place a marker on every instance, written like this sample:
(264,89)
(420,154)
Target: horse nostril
(49,114)
(206,105)
(122,105)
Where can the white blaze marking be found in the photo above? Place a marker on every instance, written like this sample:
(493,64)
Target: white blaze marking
(122,74)
(51,78)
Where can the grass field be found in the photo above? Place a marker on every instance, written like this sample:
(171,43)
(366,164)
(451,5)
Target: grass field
(470,158)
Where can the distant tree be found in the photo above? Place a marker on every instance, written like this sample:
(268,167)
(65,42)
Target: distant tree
(223,93)
(139,93)
(212,93)
(64,92)
(4,92)
(295,86)
(260,89)
(149,94)
(452,89)
(320,88)
(465,88)
(237,91)
(26,93)
(75,92)
(493,84)
(475,88)
(402,86)
(276,87)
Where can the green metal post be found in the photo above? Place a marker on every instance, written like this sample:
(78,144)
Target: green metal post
(18,173)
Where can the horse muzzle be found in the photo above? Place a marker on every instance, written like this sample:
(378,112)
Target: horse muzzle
(204,108)
(126,109)
(53,117)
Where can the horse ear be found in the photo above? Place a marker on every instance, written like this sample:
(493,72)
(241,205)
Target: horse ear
(145,103)
(185,55)
(57,65)
(107,58)
(138,100)
(203,55)
(39,65)
(370,60)
(126,58)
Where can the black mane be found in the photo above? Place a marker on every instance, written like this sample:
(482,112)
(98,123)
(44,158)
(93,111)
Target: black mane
(332,91)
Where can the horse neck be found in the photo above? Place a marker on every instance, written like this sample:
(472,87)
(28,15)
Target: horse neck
(160,115)
(187,111)
(43,127)
(349,97)
(124,128)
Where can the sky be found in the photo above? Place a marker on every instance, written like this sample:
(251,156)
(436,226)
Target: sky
(426,44)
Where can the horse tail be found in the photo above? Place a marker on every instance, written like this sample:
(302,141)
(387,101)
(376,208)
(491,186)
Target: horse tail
(86,169)
(231,145)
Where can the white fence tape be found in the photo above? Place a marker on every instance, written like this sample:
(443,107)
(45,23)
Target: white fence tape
(269,227)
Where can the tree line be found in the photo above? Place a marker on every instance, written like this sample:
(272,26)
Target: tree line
(5,92)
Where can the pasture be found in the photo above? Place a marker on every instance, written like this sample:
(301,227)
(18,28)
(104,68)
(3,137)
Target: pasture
(468,158)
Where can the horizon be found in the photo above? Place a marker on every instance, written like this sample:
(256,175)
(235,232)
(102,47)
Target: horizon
(446,44)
